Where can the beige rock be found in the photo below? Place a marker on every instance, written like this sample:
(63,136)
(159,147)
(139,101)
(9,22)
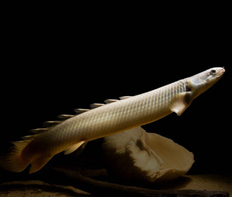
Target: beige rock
(138,155)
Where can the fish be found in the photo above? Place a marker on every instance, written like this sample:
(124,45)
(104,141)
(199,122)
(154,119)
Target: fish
(114,116)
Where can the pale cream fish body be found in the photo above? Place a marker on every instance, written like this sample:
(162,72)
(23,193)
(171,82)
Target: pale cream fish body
(104,120)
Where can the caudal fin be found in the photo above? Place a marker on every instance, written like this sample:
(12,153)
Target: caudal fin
(13,161)
(16,160)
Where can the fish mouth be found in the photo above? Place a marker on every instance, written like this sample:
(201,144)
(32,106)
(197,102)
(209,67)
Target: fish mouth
(221,72)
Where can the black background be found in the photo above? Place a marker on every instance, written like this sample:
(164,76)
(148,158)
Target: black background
(53,63)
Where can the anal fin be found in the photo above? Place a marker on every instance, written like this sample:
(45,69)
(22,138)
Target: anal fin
(38,163)
(74,147)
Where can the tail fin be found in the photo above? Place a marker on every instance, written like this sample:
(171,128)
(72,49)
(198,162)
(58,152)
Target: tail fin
(20,156)
(12,160)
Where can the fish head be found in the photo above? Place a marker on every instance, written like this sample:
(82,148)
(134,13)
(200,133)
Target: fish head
(201,82)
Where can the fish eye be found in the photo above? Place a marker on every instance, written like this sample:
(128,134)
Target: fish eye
(213,72)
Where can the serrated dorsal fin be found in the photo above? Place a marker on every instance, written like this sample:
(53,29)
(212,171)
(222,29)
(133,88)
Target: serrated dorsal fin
(95,105)
(64,117)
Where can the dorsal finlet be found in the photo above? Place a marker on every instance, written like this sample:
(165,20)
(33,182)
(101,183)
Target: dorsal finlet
(51,123)
(28,137)
(38,130)
(107,101)
(65,116)
(124,97)
(95,105)
(80,110)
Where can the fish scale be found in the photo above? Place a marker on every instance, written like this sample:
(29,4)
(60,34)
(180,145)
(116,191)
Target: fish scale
(104,120)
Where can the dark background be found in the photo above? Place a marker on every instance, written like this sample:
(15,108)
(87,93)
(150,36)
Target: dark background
(54,63)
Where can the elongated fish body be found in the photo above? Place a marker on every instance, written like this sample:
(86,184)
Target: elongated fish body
(108,119)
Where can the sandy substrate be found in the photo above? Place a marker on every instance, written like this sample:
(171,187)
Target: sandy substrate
(204,182)
(36,188)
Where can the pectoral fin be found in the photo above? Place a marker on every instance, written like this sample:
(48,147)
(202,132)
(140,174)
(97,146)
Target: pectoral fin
(180,103)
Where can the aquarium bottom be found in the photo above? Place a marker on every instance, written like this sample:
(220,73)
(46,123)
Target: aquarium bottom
(189,185)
